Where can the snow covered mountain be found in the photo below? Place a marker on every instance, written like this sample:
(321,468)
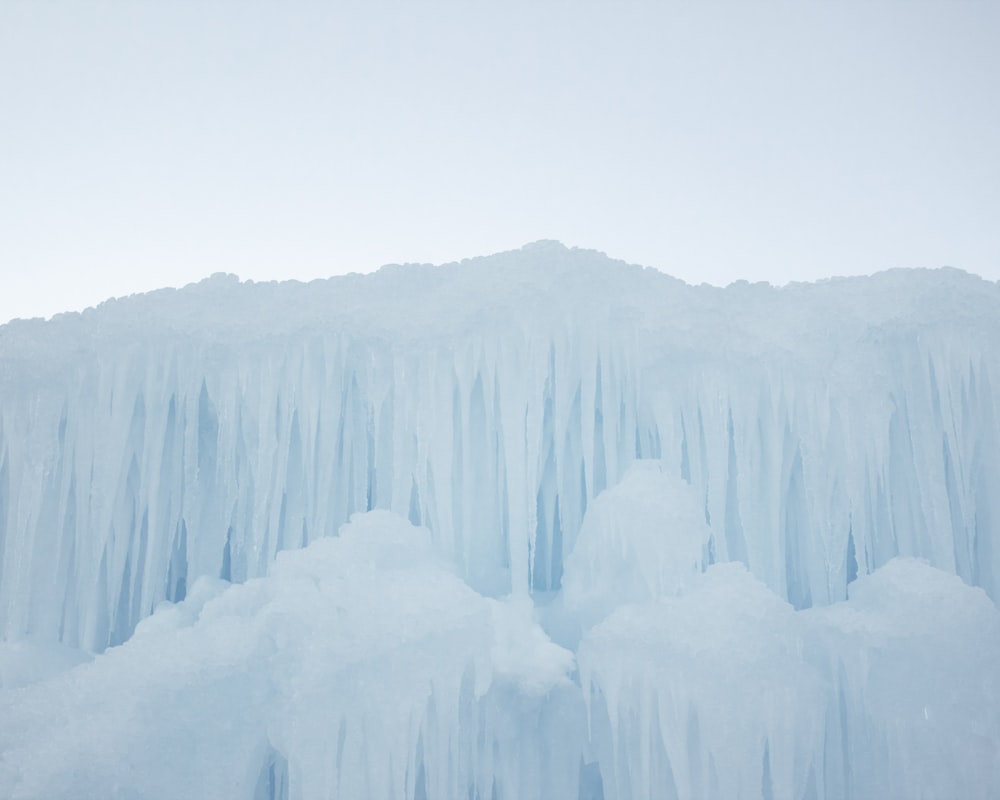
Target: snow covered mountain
(563,527)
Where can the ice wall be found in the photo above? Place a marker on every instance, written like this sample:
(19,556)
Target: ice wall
(824,428)
(540,525)
(727,692)
(709,685)
(360,667)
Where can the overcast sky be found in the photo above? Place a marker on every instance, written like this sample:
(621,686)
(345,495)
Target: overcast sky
(148,144)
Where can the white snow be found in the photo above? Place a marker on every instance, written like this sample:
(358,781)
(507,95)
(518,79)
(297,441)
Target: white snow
(534,525)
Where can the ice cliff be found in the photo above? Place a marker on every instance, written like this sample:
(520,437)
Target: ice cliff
(627,538)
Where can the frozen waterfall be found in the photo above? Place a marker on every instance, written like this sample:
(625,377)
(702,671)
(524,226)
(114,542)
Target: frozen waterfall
(540,524)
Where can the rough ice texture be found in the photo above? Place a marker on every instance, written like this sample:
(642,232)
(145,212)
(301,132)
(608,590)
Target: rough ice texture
(727,692)
(643,539)
(159,447)
(697,696)
(359,667)
(825,428)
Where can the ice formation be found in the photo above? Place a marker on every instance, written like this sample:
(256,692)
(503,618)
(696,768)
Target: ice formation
(359,667)
(643,539)
(535,525)
(727,691)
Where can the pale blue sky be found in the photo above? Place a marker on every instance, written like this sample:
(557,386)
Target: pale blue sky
(146,144)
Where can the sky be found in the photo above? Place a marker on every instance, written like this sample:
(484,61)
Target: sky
(147,144)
